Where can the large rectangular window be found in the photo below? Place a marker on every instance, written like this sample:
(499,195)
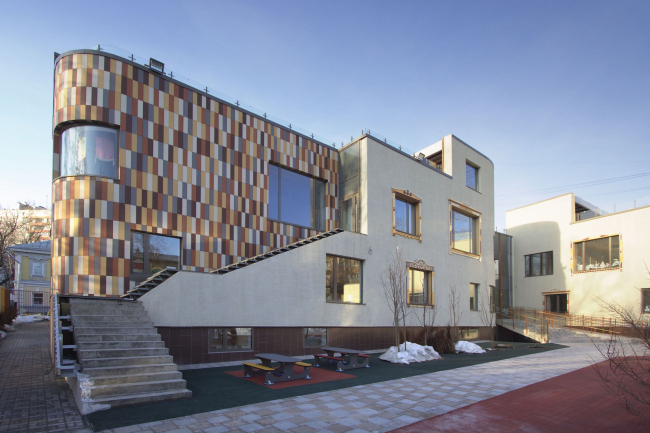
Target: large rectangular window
(539,264)
(473,296)
(597,254)
(152,253)
(89,150)
(464,231)
(471,175)
(343,280)
(230,339)
(296,199)
(420,287)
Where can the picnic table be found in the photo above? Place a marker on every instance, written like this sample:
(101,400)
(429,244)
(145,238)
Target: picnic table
(281,373)
(348,360)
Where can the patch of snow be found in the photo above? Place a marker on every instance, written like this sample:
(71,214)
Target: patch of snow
(9,328)
(467,347)
(2,335)
(414,353)
(29,318)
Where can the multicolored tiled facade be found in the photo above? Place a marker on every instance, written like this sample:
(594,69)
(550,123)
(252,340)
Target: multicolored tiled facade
(189,166)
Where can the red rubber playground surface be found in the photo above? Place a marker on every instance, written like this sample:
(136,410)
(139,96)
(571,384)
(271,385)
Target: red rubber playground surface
(572,402)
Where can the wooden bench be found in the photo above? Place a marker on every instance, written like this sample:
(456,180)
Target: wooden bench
(249,366)
(334,358)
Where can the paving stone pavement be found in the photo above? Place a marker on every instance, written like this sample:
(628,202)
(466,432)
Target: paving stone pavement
(382,406)
(32,398)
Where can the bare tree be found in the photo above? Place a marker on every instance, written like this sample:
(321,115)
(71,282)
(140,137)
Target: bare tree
(14,229)
(488,316)
(428,319)
(394,280)
(627,372)
(455,312)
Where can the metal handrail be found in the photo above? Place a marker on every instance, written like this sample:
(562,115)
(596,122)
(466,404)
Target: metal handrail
(547,320)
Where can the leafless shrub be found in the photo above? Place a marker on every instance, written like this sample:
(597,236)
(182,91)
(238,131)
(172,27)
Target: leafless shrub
(488,316)
(455,312)
(444,340)
(626,374)
(394,280)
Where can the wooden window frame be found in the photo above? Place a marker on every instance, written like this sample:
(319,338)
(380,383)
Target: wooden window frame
(408,197)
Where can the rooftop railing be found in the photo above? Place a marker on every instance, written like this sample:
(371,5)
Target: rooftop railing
(214,93)
(140,60)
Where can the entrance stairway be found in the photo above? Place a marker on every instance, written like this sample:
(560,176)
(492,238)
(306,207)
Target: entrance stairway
(121,356)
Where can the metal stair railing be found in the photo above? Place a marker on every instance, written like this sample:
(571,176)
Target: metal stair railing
(277,251)
(156,279)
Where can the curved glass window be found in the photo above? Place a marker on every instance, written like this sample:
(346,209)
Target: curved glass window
(90,150)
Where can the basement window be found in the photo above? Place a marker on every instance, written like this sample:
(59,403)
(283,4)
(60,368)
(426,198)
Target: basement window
(230,339)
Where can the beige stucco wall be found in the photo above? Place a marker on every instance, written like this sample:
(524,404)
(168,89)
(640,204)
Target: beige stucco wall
(289,289)
(548,226)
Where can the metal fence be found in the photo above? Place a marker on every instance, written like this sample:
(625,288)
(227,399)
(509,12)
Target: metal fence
(30,301)
(542,321)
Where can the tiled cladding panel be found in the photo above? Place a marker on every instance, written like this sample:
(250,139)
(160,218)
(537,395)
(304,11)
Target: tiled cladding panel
(189,166)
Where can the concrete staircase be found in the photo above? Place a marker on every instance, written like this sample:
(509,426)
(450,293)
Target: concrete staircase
(122,358)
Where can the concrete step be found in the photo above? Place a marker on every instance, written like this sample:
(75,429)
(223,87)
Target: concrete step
(95,345)
(114,330)
(102,317)
(118,322)
(123,400)
(126,361)
(136,388)
(99,338)
(132,378)
(122,353)
(99,304)
(128,370)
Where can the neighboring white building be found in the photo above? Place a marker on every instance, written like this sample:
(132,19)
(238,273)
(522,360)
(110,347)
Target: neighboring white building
(568,254)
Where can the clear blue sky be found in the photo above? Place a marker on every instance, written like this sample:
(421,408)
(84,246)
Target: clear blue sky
(555,93)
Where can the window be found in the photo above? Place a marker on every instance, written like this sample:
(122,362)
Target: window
(296,199)
(471,175)
(37,268)
(349,175)
(343,280)
(597,254)
(420,290)
(473,296)
(406,214)
(89,150)
(152,253)
(465,230)
(645,302)
(229,339)
(469,333)
(37,298)
(315,337)
(539,264)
